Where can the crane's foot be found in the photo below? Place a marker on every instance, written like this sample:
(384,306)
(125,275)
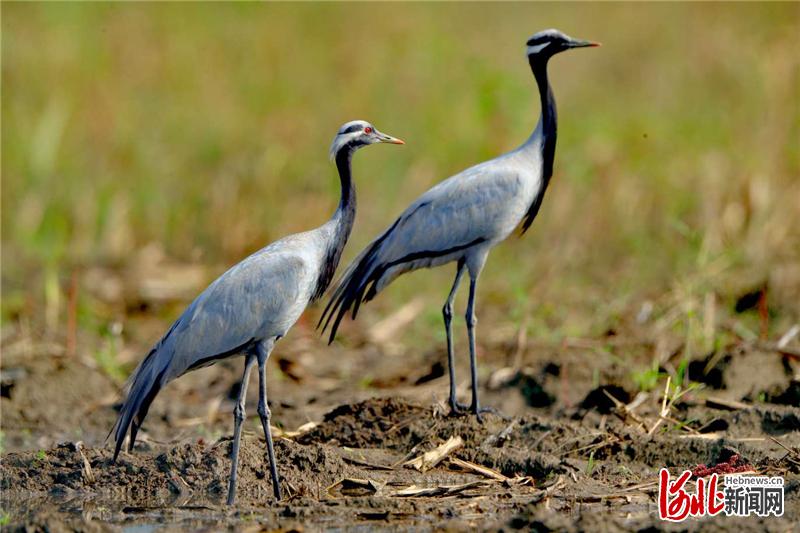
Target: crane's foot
(458,409)
(480,411)
(462,409)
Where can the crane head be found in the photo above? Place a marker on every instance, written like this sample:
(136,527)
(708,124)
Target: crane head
(548,43)
(357,133)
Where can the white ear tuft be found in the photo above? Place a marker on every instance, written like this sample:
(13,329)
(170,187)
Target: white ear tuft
(340,140)
(535,49)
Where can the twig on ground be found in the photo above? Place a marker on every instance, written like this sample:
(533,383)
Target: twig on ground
(354,485)
(305,428)
(596,498)
(86,470)
(730,405)
(717,436)
(793,453)
(773,347)
(452,490)
(641,486)
(664,410)
(478,469)
(430,459)
(414,449)
(622,411)
(640,398)
(443,490)
(787,337)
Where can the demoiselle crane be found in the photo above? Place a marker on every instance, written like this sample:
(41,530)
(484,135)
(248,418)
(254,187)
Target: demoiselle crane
(462,218)
(247,309)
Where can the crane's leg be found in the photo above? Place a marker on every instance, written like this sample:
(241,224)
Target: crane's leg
(238,418)
(473,360)
(447,313)
(263,351)
(475,266)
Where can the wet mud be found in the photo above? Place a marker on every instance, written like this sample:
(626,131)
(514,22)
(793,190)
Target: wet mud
(558,455)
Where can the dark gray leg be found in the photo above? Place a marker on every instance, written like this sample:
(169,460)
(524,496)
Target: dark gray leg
(473,361)
(238,418)
(263,351)
(447,313)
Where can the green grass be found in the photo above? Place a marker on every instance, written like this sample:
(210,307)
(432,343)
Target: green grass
(647,379)
(205,129)
(590,464)
(39,459)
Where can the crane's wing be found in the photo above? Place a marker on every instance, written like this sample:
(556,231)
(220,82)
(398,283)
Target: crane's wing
(253,299)
(458,213)
(261,296)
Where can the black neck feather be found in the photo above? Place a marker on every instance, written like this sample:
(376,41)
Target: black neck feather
(549,133)
(343,218)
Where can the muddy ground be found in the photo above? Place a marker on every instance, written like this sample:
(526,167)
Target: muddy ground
(561,454)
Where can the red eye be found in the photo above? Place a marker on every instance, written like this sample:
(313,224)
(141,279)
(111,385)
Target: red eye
(367,130)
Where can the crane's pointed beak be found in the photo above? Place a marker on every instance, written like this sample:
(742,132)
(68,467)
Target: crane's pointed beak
(382,137)
(582,44)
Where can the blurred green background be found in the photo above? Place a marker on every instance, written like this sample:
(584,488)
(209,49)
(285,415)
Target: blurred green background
(196,134)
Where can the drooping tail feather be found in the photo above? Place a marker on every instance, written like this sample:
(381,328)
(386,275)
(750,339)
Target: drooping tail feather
(349,293)
(367,268)
(142,388)
(377,266)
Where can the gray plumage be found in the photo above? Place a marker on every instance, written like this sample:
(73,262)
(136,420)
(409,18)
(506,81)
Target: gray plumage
(462,218)
(252,305)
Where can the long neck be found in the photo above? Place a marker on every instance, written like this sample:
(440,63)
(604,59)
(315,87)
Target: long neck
(343,158)
(346,212)
(342,222)
(548,131)
(549,117)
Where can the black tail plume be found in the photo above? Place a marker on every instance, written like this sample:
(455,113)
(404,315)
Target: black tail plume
(142,387)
